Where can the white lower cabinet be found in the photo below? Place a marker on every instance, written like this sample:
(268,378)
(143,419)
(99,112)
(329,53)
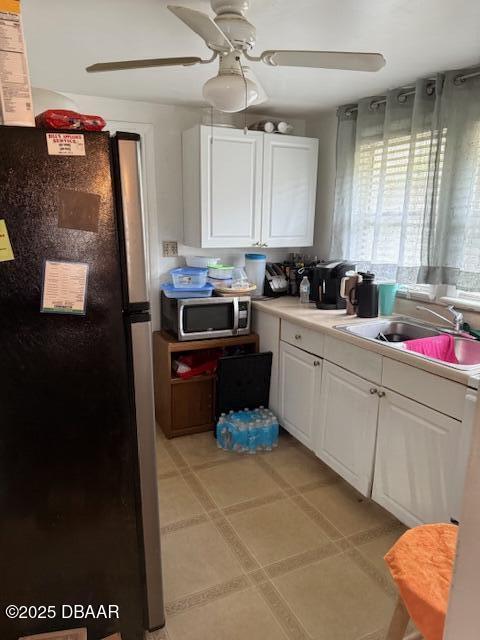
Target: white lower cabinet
(299,390)
(347,426)
(408,457)
(415,461)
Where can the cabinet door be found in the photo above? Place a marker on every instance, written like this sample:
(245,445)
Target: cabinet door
(415,461)
(300,379)
(268,329)
(289,190)
(463,454)
(348,415)
(231,187)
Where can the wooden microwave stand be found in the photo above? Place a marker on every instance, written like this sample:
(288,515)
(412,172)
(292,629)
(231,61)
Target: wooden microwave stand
(187,406)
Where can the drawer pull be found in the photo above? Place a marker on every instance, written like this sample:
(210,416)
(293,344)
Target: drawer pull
(298,336)
(381,394)
(373,391)
(316,363)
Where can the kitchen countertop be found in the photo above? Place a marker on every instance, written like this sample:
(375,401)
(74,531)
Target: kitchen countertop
(289,308)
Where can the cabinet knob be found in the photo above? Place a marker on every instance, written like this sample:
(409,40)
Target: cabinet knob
(298,336)
(373,391)
(381,394)
(316,363)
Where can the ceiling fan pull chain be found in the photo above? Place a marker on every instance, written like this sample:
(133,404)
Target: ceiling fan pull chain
(211,126)
(245,127)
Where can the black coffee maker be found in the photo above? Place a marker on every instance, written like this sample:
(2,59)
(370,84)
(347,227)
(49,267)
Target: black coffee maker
(326,281)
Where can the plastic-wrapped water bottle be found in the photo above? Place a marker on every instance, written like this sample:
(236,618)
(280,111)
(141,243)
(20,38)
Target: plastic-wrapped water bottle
(275,427)
(266,435)
(252,438)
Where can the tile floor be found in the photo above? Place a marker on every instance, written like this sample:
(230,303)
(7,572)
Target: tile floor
(269,547)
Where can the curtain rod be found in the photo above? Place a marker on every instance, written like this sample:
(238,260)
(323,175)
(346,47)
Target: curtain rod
(402,97)
(462,77)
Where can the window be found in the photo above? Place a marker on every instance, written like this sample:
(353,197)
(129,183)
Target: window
(407,198)
(391,184)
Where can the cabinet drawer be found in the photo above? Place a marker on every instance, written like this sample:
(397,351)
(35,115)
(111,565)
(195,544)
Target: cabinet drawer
(360,361)
(305,339)
(428,389)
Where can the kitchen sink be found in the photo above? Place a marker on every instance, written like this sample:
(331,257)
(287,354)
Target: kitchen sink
(390,330)
(393,333)
(467,352)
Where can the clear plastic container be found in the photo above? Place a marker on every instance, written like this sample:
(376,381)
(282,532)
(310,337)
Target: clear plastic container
(220,272)
(202,262)
(189,277)
(239,278)
(199,292)
(255,264)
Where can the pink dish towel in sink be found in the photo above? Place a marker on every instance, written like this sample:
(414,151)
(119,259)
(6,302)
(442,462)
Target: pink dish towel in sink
(439,347)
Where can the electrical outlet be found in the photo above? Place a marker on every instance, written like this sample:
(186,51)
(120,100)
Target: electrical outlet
(170,249)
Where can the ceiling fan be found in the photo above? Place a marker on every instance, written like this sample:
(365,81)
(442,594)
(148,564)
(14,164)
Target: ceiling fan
(230,36)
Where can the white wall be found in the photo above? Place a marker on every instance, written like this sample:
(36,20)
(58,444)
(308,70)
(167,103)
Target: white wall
(165,215)
(324,127)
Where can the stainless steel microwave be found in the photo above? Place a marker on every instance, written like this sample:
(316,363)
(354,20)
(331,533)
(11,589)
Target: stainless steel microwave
(200,318)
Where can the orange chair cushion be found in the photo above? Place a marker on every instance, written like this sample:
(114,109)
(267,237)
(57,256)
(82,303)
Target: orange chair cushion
(421,563)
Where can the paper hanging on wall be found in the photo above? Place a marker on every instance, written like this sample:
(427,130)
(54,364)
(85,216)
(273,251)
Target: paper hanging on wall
(6,251)
(64,287)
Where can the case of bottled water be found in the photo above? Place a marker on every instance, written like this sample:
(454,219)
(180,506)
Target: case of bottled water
(248,431)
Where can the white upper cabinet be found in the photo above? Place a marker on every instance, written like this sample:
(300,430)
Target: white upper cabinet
(248,190)
(289,190)
(222,180)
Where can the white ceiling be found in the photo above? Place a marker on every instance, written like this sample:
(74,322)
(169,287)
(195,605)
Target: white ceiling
(417,37)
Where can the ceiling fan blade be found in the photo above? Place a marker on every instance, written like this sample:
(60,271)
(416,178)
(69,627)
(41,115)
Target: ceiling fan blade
(142,64)
(262,95)
(205,27)
(346,60)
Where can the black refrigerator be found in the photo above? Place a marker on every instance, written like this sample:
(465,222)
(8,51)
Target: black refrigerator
(79,521)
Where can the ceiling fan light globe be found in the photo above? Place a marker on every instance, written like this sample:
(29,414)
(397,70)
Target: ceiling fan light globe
(227,92)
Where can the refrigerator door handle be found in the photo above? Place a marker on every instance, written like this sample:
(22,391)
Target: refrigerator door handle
(130,206)
(141,333)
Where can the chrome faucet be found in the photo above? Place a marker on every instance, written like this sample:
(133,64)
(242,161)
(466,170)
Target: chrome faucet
(457,322)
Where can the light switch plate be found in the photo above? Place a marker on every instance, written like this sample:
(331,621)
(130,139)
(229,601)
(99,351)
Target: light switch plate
(170,249)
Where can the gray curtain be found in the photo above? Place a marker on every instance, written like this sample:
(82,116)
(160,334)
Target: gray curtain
(407,200)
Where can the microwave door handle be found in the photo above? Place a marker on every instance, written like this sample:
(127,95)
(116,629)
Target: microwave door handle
(180,308)
(235,316)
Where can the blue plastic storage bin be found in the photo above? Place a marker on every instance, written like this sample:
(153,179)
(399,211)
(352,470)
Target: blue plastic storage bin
(189,277)
(200,292)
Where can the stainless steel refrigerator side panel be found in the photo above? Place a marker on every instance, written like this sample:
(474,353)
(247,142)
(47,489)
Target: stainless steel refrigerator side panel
(145,414)
(129,169)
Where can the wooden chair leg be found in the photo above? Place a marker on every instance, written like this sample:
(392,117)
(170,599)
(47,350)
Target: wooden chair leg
(399,622)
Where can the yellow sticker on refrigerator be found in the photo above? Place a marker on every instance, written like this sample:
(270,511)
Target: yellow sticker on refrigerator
(6,251)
